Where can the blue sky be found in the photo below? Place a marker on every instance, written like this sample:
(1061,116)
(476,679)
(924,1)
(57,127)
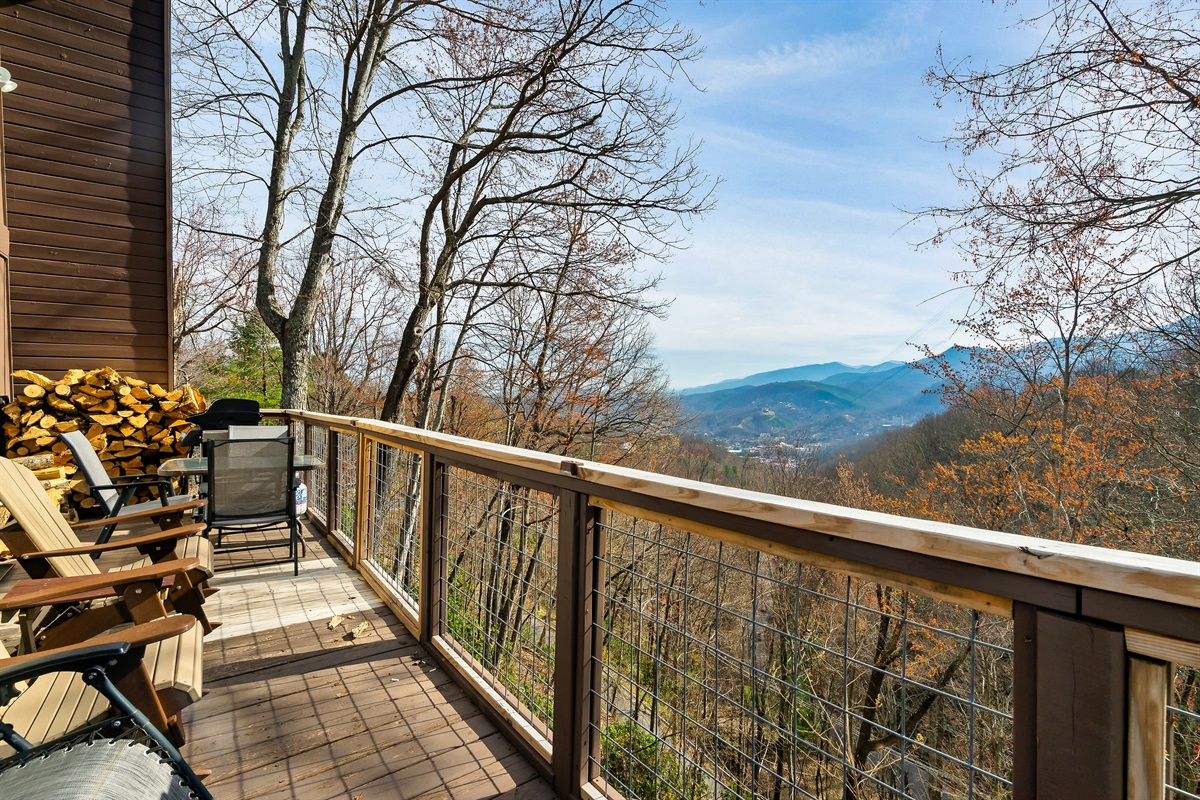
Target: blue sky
(816,118)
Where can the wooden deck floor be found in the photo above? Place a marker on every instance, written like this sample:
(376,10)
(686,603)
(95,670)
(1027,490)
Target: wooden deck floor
(295,710)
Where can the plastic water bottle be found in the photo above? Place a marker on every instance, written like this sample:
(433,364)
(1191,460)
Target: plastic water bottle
(301,499)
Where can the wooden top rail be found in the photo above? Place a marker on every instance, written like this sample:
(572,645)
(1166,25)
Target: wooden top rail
(1166,580)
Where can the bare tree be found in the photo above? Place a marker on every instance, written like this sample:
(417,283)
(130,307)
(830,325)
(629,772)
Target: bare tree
(354,337)
(464,111)
(1095,130)
(582,124)
(279,103)
(209,274)
(574,375)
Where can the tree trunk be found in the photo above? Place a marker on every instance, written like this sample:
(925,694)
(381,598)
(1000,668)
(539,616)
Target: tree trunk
(406,361)
(295,369)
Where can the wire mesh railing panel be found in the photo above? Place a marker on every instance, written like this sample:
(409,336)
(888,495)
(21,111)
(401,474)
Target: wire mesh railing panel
(298,437)
(1183,732)
(318,479)
(346,514)
(726,673)
(393,537)
(502,550)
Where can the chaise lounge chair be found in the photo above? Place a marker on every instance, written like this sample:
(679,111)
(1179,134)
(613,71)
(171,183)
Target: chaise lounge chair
(90,725)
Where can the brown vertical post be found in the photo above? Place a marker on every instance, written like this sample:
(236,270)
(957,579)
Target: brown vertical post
(1081,686)
(168,216)
(433,546)
(1024,701)
(332,514)
(1148,681)
(5,319)
(593,675)
(574,609)
(363,507)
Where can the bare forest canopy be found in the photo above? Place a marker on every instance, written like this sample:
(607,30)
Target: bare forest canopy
(442,214)
(413,196)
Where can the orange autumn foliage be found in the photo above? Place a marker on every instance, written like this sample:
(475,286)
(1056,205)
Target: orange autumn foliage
(1077,467)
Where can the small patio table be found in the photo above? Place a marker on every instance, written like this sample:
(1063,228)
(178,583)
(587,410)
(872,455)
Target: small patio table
(189,467)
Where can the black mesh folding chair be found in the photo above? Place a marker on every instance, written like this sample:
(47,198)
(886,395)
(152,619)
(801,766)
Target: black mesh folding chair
(250,490)
(113,493)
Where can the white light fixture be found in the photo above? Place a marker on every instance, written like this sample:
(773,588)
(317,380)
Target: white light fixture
(7,84)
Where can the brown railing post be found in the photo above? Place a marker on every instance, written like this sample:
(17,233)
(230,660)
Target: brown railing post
(363,508)
(1147,740)
(332,512)
(433,547)
(573,664)
(1071,694)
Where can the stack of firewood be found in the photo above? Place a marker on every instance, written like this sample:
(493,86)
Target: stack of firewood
(132,424)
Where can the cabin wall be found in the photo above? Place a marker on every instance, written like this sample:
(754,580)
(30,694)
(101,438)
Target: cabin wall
(86,152)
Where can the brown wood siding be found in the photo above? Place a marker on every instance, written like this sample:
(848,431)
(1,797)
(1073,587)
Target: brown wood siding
(5,296)
(87,166)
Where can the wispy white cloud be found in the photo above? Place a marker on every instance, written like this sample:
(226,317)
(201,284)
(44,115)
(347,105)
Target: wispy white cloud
(787,283)
(817,119)
(799,50)
(799,61)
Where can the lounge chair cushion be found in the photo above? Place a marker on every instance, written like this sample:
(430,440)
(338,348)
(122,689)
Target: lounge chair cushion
(102,770)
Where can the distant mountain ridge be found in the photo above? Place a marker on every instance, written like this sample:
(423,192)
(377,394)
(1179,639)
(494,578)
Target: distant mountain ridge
(816,403)
(808,372)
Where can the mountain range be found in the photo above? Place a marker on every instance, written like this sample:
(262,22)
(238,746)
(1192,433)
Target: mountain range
(817,403)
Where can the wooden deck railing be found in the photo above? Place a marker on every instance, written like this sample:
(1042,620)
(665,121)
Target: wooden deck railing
(640,635)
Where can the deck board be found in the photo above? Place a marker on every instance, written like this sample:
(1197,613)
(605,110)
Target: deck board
(295,710)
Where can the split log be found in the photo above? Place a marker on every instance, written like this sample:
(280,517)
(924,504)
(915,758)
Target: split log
(134,425)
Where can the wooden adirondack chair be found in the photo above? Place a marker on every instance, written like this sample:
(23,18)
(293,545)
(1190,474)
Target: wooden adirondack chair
(173,665)
(54,731)
(47,547)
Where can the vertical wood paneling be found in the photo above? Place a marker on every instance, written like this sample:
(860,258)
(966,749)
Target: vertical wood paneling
(5,295)
(90,113)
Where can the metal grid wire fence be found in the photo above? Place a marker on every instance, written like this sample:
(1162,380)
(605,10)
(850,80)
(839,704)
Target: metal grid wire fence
(502,549)
(318,480)
(346,513)
(1183,730)
(725,673)
(393,536)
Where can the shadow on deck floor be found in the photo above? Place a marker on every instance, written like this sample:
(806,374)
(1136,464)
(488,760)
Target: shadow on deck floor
(297,710)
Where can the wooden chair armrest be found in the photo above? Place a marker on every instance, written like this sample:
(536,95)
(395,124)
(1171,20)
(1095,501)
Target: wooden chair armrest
(44,591)
(140,540)
(149,513)
(136,636)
